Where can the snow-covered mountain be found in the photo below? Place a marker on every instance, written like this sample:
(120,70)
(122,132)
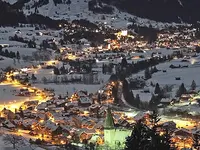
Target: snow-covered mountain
(10,1)
(79,9)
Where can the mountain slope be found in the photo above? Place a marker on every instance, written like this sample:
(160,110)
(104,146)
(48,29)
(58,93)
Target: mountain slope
(81,9)
(161,10)
(78,9)
(9,16)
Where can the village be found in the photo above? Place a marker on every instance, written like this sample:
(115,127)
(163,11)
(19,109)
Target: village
(61,89)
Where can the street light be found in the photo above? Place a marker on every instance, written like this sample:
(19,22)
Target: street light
(100,91)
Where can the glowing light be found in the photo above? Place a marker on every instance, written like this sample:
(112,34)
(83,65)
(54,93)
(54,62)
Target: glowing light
(71,57)
(41,121)
(124,33)
(62,142)
(193,61)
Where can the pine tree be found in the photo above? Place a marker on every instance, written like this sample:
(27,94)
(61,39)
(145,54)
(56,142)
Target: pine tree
(124,63)
(103,69)
(6,53)
(44,79)
(147,74)
(154,118)
(139,137)
(155,69)
(157,89)
(196,141)
(181,90)
(17,55)
(26,80)
(153,102)
(56,71)
(145,138)
(115,94)
(137,100)
(33,77)
(193,85)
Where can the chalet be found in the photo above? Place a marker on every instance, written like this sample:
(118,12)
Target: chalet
(170,125)
(98,139)
(42,106)
(4,45)
(185,97)
(8,124)
(29,104)
(60,103)
(140,116)
(85,136)
(84,101)
(28,123)
(182,132)
(167,101)
(94,109)
(99,125)
(8,114)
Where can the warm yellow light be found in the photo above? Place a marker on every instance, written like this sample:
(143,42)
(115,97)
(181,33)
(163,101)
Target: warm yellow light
(62,142)
(71,57)
(41,121)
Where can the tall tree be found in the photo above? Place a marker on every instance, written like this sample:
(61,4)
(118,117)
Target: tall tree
(181,90)
(153,102)
(56,71)
(139,137)
(14,140)
(137,100)
(17,55)
(33,78)
(193,85)
(145,138)
(124,63)
(147,74)
(196,141)
(154,118)
(157,89)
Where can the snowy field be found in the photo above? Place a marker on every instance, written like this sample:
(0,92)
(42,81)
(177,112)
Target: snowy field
(10,62)
(61,89)
(187,75)
(8,98)
(25,146)
(8,94)
(28,33)
(22,50)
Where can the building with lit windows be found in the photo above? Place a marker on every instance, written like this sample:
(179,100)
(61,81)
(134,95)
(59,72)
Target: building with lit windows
(114,137)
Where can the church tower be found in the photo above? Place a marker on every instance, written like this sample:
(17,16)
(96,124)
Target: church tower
(109,129)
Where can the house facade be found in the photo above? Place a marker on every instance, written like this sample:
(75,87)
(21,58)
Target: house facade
(114,137)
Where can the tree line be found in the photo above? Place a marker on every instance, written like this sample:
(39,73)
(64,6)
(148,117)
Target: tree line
(9,54)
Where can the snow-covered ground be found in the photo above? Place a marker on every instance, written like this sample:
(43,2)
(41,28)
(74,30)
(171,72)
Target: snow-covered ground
(22,50)
(187,75)
(10,62)
(8,94)
(6,145)
(62,89)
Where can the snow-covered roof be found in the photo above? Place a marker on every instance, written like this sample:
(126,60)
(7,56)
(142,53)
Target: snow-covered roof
(166,100)
(139,116)
(85,100)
